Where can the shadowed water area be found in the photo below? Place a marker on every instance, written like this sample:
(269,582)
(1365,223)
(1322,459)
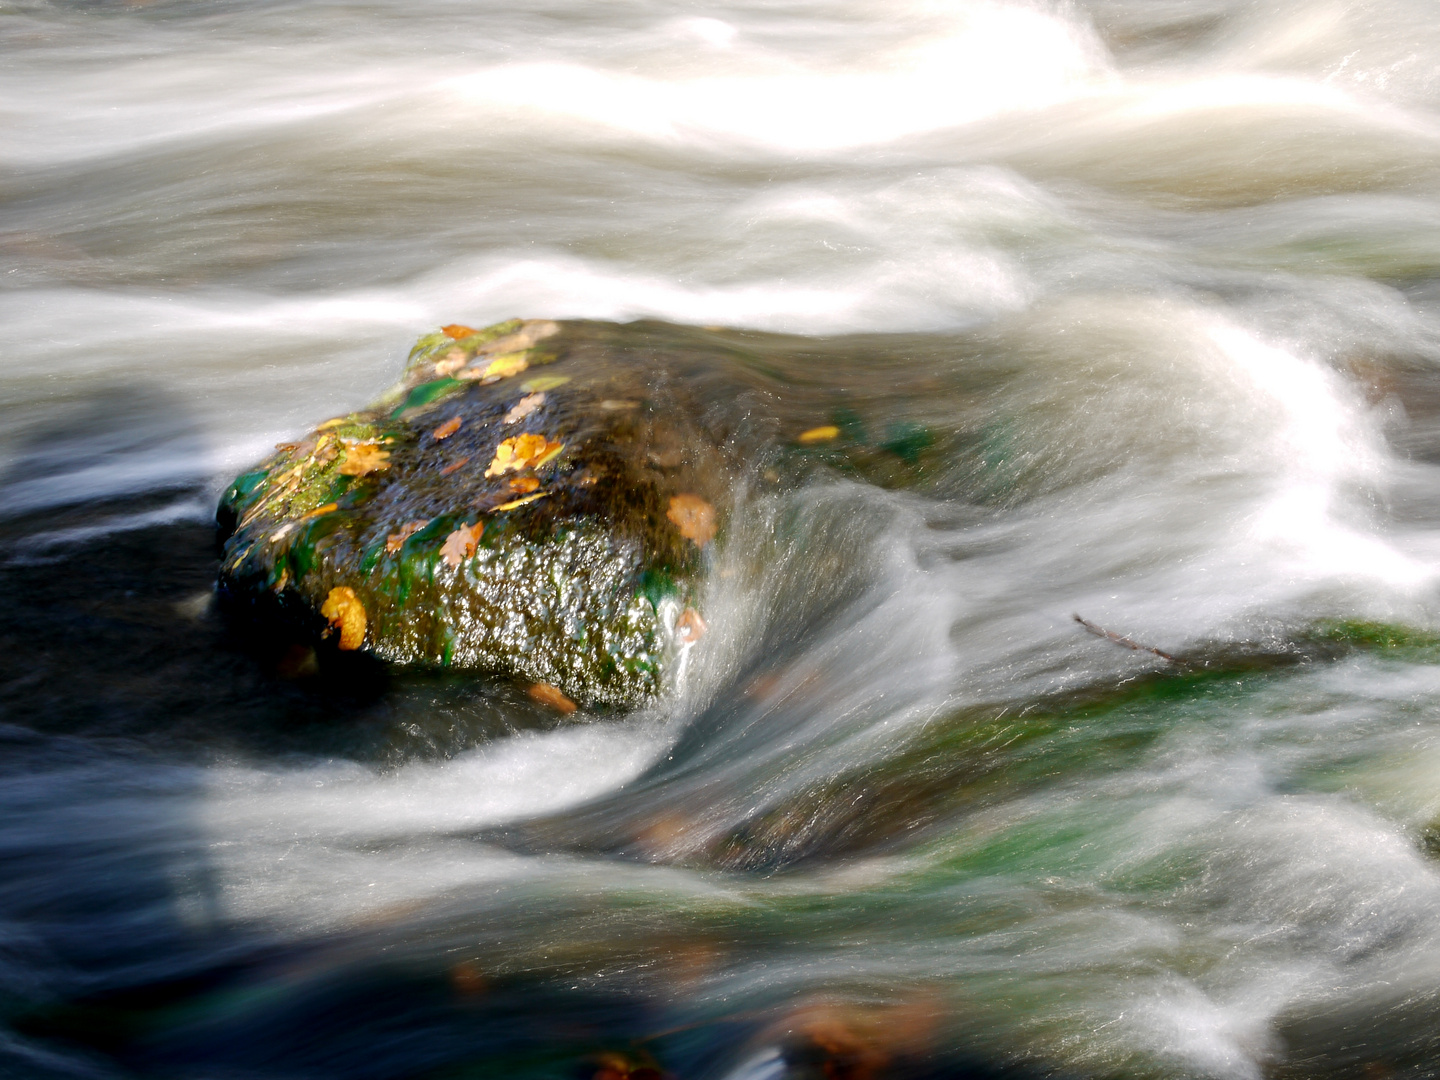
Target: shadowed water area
(1124,309)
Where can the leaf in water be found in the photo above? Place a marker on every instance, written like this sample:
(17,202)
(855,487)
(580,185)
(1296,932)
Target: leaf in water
(819,434)
(395,540)
(346,614)
(524,407)
(523,485)
(451,362)
(454,465)
(522,452)
(457,331)
(460,544)
(618,404)
(334,422)
(513,503)
(363,458)
(690,627)
(694,517)
(448,428)
(320,510)
(548,695)
(543,382)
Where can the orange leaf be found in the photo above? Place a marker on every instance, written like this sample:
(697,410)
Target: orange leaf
(523,485)
(524,407)
(363,458)
(460,544)
(347,614)
(548,695)
(448,469)
(448,428)
(396,540)
(819,434)
(694,517)
(522,452)
(690,627)
(457,331)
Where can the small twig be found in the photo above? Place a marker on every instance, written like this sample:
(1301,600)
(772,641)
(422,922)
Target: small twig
(1110,635)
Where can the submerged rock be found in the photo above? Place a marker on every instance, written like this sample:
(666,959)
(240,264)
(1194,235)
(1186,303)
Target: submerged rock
(531,500)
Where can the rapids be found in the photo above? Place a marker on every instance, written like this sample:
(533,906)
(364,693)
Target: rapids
(1159,281)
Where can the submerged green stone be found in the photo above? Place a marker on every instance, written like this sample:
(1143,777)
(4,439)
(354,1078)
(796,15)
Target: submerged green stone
(578,574)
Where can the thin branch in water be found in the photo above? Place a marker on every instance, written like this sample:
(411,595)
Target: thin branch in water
(1110,635)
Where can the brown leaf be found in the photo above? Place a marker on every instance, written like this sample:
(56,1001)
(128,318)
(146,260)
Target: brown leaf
(694,517)
(448,469)
(396,540)
(548,695)
(457,331)
(347,614)
(523,485)
(460,544)
(451,362)
(522,452)
(690,627)
(524,407)
(363,458)
(523,338)
(448,428)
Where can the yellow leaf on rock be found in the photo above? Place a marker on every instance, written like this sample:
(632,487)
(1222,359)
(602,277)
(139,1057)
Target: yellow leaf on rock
(549,695)
(819,434)
(448,428)
(505,365)
(694,517)
(522,452)
(461,544)
(524,407)
(543,382)
(513,503)
(347,614)
(363,458)
(331,423)
(457,331)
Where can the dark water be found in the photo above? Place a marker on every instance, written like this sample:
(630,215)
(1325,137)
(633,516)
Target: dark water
(1137,304)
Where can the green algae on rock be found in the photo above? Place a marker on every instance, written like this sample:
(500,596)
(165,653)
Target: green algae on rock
(489,517)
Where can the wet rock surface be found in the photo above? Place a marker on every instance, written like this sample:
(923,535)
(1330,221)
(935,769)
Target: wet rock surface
(532,500)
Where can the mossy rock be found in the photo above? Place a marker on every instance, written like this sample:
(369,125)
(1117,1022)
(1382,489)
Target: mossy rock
(566,568)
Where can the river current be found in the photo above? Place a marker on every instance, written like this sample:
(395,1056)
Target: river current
(1157,280)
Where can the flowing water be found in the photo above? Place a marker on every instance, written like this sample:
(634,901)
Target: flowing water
(1143,295)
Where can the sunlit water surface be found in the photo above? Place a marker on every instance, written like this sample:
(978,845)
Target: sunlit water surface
(1158,278)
